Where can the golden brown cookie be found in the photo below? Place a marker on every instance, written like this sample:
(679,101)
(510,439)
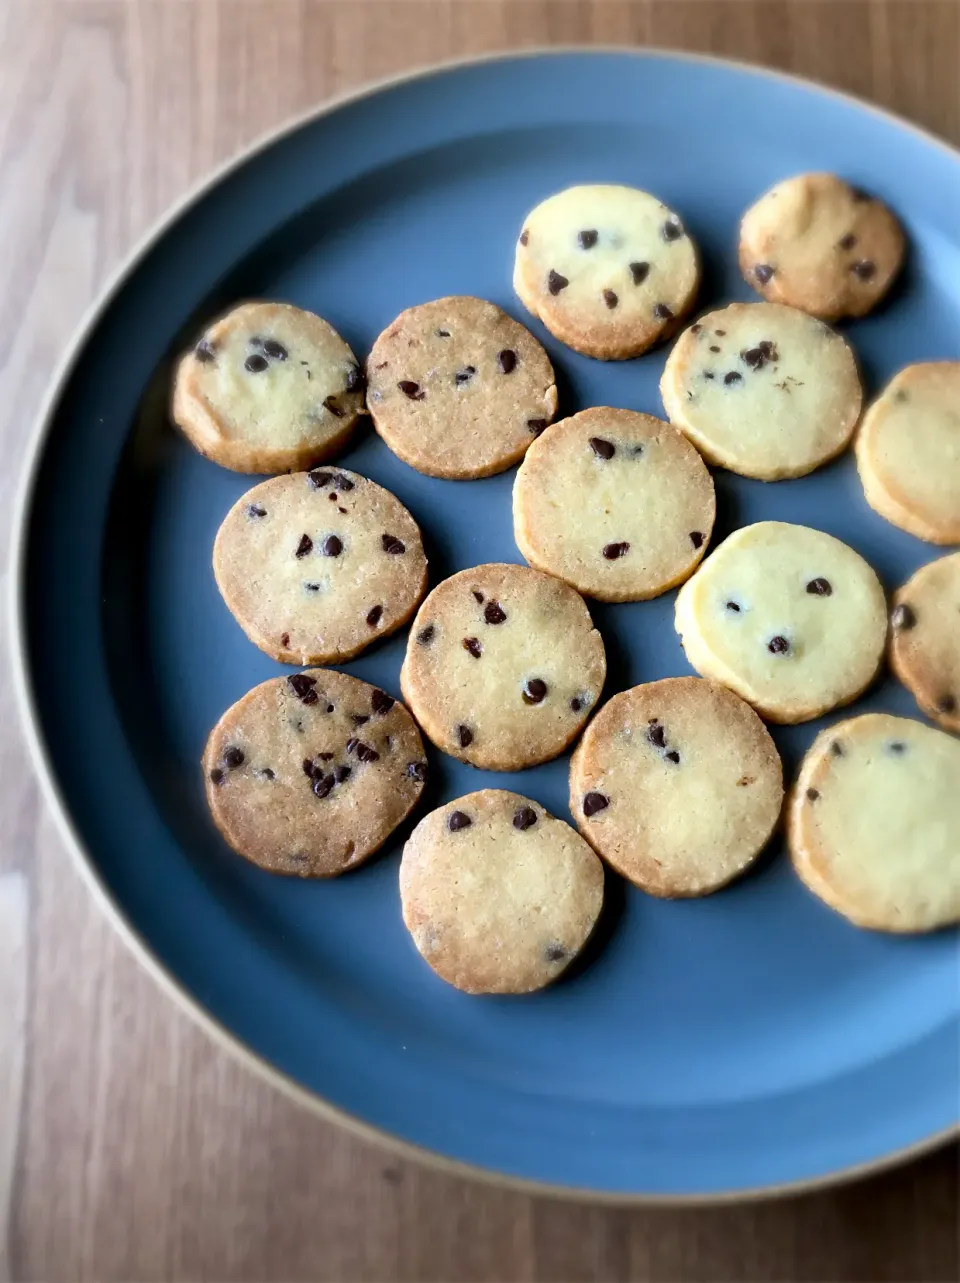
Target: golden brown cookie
(925,639)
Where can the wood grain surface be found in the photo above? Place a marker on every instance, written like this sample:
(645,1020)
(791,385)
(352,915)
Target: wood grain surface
(131,1148)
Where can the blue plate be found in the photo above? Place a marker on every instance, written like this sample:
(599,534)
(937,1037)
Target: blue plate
(706,1048)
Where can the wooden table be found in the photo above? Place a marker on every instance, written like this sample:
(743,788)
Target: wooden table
(131,1148)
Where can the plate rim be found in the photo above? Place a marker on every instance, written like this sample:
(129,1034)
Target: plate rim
(50,790)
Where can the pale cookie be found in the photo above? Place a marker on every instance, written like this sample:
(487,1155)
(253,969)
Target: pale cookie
(317,565)
(268,388)
(616,503)
(873,824)
(459,389)
(925,639)
(678,785)
(908,451)
(790,618)
(819,244)
(503,666)
(498,895)
(310,774)
(609,270)
(763,390)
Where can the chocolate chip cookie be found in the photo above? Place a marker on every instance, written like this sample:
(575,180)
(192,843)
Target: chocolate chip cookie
(816,243)
(503,666)
(908,451)
(317,565)
(310,774)
(459,389)
(616,503)
(925,639)
(790,618)
(268,388)
(873,823)
(677,784)
(763,390)
(498,895)
(609,270)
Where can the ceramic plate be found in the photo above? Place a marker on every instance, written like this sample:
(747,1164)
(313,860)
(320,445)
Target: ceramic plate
(707,1048)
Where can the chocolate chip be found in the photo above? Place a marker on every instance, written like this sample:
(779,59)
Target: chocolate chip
(588,238)
(576,704)
(847,242)
(714,347)
(275,349)
(613,551)
(392,545)
(341,773)
(443,334)
(763,272)
(355,379)
(813,794)
(265,773)
(359,719)
(820,587)
(554,952)
(465,736)
(254,510)
(374,615)
(778,645)
(285,640)
(662,312)
(535,691)
(864,270)
(695,329)
(709,374)
(381,702)
(309,769)
(556,282)
(255,363)
(601,448)
(411,389)
(425,635)
(204,352)
(732,605)
(363,751)
(464,375)
(657,735)
(732,377)
(673,756)
(525,818)
(524,236)
(319,479)
(758,357)
(636,451)
(312,587)
(478,596)
(330,708)
(720,333)
(507,360)
(472,644)
(900,396)
(342,482)
(836,748)
(897,747)
(610,298)
(672,229)
(216,776)
(594,802)
(305,546)
(332,546)
(946,704)
(639,272)
(333,405)
(417,771)
(696,538)
(457,821)
(323,785)
(536,426)
(333,496)
(494,613)
(903,617)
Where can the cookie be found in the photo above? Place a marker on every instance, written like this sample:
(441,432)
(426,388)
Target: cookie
(816,243)
(617,504)
(310,774)
(908,451)
(498,895)
(503,666)
(873,824)
(317,565)
(925,639)
(790,618)
(459,389)
(610,271)
(678,785)
(268,388)
(763,390)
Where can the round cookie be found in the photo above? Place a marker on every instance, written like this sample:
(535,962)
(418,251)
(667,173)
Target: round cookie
(459,389)
(873,823)
(498,895)
(763,390)
(617,504)
(609,270)
(317,565)
(925,639)
(310,774)
(790,618)
(677,784)
(816,243)
(268,388)
(503,666)
(908,451)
